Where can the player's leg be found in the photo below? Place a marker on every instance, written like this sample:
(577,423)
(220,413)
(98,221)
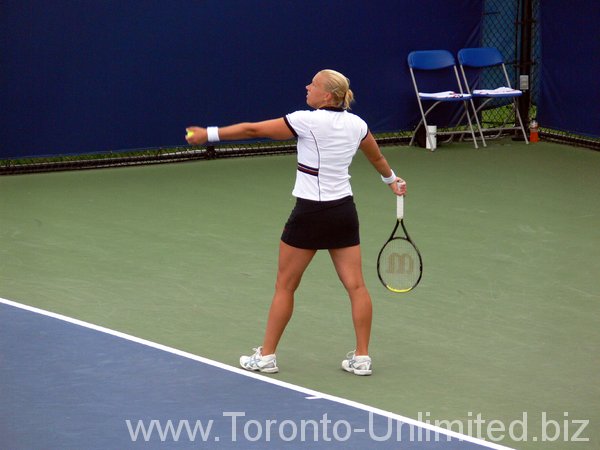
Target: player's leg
(348,264)
(292,264)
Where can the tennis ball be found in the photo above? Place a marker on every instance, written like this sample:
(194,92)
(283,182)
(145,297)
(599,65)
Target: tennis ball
(189,134)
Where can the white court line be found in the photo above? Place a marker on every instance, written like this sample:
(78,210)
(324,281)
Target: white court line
(311,394)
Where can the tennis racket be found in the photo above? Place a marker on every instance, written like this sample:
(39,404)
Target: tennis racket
(399,264)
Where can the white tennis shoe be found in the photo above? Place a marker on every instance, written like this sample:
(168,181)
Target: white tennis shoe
(358,365)
(260,362)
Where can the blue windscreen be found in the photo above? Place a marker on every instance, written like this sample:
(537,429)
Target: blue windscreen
(95,76)
(570,63)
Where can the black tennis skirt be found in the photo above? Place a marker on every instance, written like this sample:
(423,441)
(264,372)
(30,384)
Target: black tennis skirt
(322,225)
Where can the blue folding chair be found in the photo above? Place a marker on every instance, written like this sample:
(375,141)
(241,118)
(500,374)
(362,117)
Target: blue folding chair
(438,60)
(479,64)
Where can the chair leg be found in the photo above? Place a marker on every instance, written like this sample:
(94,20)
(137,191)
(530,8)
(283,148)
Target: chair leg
(470,124)
(424,122)
(518,114)
(414,134)
(478,123)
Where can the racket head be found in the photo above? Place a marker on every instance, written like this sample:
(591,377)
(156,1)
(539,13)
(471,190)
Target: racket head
(399,265)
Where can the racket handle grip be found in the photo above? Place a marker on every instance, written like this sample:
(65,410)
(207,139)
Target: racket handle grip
(400,207)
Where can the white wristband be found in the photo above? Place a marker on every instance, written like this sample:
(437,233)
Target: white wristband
(390,179)
(212,134)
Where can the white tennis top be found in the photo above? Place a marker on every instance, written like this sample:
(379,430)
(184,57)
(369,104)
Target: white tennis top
(327,141)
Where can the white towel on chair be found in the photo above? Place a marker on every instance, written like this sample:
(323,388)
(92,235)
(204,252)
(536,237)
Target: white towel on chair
(498,91)
(442,95)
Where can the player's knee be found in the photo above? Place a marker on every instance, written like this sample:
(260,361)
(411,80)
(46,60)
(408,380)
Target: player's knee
(287,284)
(354,284)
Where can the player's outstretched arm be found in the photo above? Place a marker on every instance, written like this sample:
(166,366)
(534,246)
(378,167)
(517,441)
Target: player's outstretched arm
(271,129)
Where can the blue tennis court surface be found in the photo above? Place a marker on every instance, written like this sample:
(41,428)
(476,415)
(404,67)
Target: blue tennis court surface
(70,384)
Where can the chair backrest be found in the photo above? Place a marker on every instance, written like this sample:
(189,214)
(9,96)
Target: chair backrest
(480,57)
(430,59)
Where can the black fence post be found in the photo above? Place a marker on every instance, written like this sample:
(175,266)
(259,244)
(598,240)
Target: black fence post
(525,62)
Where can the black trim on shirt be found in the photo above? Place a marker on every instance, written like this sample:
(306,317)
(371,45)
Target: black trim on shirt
(332,108)
(287,122)
(314,171)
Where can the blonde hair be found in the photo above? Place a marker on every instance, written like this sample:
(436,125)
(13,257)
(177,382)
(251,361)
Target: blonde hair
(339,87)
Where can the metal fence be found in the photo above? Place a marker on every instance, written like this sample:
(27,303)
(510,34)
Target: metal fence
(513,27)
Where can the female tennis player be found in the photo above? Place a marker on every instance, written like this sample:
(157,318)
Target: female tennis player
(325,215)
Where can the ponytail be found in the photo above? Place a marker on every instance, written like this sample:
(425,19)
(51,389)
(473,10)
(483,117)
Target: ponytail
(339,87)
(348,99)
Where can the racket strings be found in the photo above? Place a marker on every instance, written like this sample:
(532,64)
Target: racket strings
(399,265)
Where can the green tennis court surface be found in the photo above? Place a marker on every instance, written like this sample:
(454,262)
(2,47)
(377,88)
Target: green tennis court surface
(504,325)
